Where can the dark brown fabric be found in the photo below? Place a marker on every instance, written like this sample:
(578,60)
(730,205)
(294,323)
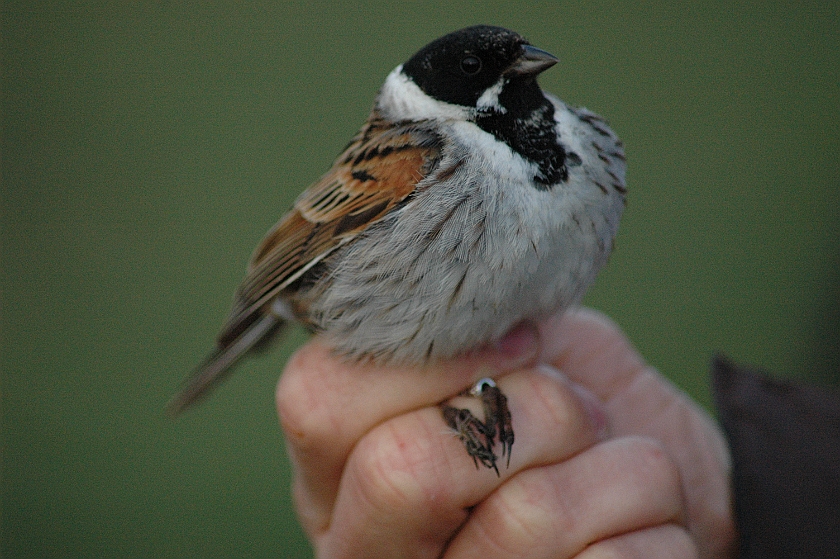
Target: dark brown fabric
(785,443)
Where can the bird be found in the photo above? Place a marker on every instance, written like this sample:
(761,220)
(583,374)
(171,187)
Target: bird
(469,201)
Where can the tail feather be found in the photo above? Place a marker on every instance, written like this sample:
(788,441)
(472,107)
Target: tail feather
(216,367)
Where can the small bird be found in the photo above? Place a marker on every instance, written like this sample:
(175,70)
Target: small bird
(469,201)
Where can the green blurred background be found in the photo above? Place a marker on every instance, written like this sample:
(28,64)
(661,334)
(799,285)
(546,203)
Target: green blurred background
(147,146)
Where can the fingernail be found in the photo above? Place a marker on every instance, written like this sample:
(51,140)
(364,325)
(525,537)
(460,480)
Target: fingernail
(591,403)
(594,409)
(520,344)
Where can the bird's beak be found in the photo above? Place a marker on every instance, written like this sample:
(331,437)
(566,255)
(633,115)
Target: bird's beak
(532,62)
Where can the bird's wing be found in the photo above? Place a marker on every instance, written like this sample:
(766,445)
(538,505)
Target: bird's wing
(378,171)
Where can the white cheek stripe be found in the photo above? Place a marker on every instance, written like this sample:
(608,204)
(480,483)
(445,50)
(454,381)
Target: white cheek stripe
(402,99)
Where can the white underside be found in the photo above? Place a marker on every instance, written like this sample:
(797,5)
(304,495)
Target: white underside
(510,251)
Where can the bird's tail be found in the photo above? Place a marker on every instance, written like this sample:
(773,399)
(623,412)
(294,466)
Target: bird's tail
(218,364)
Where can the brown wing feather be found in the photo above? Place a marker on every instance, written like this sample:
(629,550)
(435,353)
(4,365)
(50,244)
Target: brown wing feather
(377,171)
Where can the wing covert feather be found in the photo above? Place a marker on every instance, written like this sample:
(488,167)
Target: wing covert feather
(378,170)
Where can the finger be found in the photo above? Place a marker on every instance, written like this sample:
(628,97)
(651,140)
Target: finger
(613,488)
(658,542)
(326,404)
(408,484)
(593,351)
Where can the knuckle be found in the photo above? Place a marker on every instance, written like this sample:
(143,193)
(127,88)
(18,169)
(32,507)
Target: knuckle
(597,324)
(559,407)
(649,457)
(308,419)
(526,515)
(393,469)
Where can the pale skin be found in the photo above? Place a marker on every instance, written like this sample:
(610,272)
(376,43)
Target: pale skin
(610,459)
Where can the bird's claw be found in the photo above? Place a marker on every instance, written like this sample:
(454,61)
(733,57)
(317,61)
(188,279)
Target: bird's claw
(479,437)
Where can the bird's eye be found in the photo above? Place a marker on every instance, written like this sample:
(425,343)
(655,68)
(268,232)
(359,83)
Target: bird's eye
(470,65)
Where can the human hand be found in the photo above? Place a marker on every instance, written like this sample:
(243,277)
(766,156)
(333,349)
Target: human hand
(375,475)
(640,402)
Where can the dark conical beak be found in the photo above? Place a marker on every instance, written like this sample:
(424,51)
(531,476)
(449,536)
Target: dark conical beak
(533,61)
